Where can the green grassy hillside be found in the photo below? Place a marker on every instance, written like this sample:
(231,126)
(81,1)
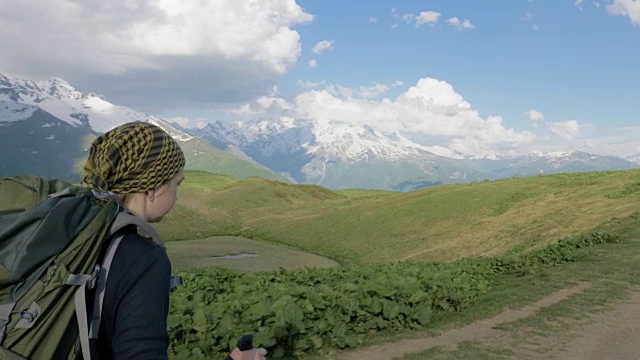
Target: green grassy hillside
(203,156)
(437,223)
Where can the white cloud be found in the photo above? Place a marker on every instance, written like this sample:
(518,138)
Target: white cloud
(373,91)
(426,17)
(430,109)
(596,4)
(373,19)
(312,63)
(207,45)
(460,25)
(322,46)
(430,18)
(202,123)
(182,121)
(578,4)
(569,129)
(529,17)
(628,8)
(534,115)
(396,83)
(310,84)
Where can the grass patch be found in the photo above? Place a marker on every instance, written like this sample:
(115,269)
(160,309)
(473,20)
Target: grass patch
(467,350)
(628,190)
(514,199)
(440,223)
(611,269)
(193,254)
(365,193)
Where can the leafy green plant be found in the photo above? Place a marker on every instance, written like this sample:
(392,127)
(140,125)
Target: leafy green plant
(295,312)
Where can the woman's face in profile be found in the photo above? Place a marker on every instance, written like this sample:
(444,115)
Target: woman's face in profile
(164,198)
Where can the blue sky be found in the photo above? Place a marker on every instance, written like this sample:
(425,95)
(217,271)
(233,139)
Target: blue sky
(581,64)
(476,77)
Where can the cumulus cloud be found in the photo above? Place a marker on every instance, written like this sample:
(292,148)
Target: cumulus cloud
(312,63)
(322,46)
(182,121)
(430,18)
(460,25)
(431,109)
(628,8)
(569,129)
(528,17)
(427,17)
(373,91)
(310,84)
(198,122)
(534,115)
(129,44)
(396,83)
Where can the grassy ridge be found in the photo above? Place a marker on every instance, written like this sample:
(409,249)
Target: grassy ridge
(201,155)
(213,204)
(439,223)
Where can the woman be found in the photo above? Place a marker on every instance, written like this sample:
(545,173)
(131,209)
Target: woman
(144,166)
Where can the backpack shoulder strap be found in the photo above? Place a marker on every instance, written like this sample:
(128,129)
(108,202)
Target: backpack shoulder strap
(125,218)
(90,331)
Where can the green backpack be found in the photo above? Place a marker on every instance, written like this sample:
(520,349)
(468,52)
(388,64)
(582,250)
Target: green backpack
(51,236)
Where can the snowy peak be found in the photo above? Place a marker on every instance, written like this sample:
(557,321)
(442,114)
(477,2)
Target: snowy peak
(570,156)
(354,142)
(54,87)
(324,138)
(11,111)
(635,158)
(551,154)
(175,133)
(57,87)
(60,99)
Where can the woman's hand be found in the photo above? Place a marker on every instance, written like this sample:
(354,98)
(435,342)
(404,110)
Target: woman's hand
(253,354)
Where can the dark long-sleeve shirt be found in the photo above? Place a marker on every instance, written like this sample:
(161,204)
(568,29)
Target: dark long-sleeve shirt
(136,302)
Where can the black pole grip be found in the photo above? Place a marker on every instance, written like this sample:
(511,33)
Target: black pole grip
(245,342)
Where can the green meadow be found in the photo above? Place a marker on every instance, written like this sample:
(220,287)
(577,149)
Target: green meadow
(241,254)
(440,223)
(316,273)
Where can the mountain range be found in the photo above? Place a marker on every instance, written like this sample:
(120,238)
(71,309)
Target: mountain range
(46,127)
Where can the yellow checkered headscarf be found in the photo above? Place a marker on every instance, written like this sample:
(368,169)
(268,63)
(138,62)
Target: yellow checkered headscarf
(134,157)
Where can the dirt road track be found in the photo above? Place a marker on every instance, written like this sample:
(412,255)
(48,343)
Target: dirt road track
(612,335)
(476,331)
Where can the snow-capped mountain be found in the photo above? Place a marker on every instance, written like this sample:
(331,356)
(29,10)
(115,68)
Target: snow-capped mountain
(346,142)
(635,158)
(60,99)
(46,127)
(342,155)
(338,155)
(539,162)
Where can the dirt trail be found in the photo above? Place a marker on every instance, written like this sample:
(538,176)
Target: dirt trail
(611,335)
(476,331)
